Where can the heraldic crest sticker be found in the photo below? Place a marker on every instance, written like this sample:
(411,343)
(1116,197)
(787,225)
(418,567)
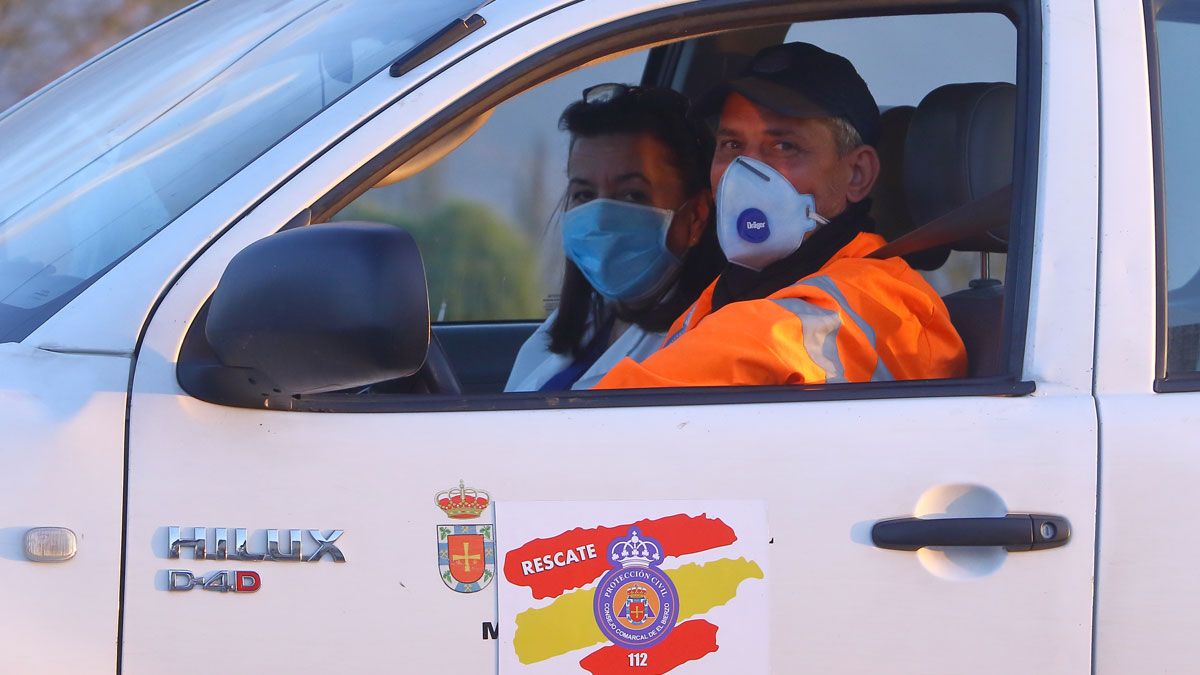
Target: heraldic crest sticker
(607,587)
(466,556)
(463,503)
(636,604)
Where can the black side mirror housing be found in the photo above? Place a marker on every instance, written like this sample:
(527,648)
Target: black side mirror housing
(311,310)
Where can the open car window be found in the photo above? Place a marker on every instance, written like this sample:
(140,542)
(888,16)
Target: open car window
(498,199)
(486,216)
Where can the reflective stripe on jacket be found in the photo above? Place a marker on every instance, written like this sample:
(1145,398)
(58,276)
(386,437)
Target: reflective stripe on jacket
(855,320)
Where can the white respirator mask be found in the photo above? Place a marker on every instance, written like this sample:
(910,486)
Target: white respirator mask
(761,218)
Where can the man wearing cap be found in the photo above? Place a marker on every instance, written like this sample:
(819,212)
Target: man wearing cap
(799,302)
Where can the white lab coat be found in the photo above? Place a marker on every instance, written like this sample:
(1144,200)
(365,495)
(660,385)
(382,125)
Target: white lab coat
(536,364)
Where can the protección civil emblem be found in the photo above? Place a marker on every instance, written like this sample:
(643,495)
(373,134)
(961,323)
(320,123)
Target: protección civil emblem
(636,603)
(466,556)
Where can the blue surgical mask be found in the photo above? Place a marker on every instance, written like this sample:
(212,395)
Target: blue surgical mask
(761,218)
(621,248)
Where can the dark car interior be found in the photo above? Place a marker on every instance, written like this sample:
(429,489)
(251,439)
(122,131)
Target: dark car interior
(945,184)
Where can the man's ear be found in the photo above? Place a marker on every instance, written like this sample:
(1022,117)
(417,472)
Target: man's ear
(701,209)
(864,171)
(687,227)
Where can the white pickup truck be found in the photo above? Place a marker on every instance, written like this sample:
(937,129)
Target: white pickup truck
(227,447)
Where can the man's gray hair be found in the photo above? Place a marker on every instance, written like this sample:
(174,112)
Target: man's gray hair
(845,135)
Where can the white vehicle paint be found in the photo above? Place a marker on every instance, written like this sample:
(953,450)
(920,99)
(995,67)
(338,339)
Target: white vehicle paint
(99,435)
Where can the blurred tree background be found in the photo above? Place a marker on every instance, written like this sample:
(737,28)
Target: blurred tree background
(42,39)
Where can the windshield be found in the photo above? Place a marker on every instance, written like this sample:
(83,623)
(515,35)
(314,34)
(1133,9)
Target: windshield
(97,164)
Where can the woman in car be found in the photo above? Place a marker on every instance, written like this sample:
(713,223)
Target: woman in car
(636,234)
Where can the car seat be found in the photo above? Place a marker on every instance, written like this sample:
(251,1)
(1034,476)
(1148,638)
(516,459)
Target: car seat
(889,201)
(957,176)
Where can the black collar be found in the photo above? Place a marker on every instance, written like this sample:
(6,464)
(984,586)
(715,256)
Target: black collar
(738,283)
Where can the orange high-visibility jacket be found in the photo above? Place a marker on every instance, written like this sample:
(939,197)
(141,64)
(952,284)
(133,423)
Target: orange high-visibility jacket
(855,320)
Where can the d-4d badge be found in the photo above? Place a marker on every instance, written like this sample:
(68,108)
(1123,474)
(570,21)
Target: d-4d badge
(466,556)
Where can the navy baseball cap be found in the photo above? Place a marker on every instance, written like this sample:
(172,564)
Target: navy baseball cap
(799,79)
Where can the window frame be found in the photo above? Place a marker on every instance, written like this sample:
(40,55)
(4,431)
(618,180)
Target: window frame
(689,21)
(1164,382)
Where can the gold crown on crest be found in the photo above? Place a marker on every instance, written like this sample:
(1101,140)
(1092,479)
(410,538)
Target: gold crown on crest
(463,502)
(636,592)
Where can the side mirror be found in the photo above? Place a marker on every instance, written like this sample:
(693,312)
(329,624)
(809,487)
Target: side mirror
(311,310)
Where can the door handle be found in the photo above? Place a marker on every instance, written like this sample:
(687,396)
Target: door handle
(1015,532)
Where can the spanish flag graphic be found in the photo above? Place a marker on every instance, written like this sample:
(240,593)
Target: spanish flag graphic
(627,596)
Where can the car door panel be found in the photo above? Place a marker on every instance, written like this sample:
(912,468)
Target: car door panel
(1144,593)
(827,470)
(61,415)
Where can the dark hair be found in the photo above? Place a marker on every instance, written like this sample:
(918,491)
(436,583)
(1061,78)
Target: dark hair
(663,114)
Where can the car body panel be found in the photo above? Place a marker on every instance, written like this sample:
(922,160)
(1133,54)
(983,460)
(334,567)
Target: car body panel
(826,470)
(1146,581)
(62,420)
(1093,442)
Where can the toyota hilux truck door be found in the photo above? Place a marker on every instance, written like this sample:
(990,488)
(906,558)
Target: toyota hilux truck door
(476,534)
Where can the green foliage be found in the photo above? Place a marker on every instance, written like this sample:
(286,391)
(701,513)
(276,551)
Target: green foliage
(479,267)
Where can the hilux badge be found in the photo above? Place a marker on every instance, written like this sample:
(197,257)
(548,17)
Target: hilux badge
(221,550)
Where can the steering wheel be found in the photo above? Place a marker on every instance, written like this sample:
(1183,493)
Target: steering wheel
(437,375)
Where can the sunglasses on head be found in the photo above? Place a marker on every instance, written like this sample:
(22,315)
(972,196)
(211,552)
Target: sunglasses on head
(606,93)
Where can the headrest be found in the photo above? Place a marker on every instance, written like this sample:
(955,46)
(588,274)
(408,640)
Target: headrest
(889,203)
(959,149)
